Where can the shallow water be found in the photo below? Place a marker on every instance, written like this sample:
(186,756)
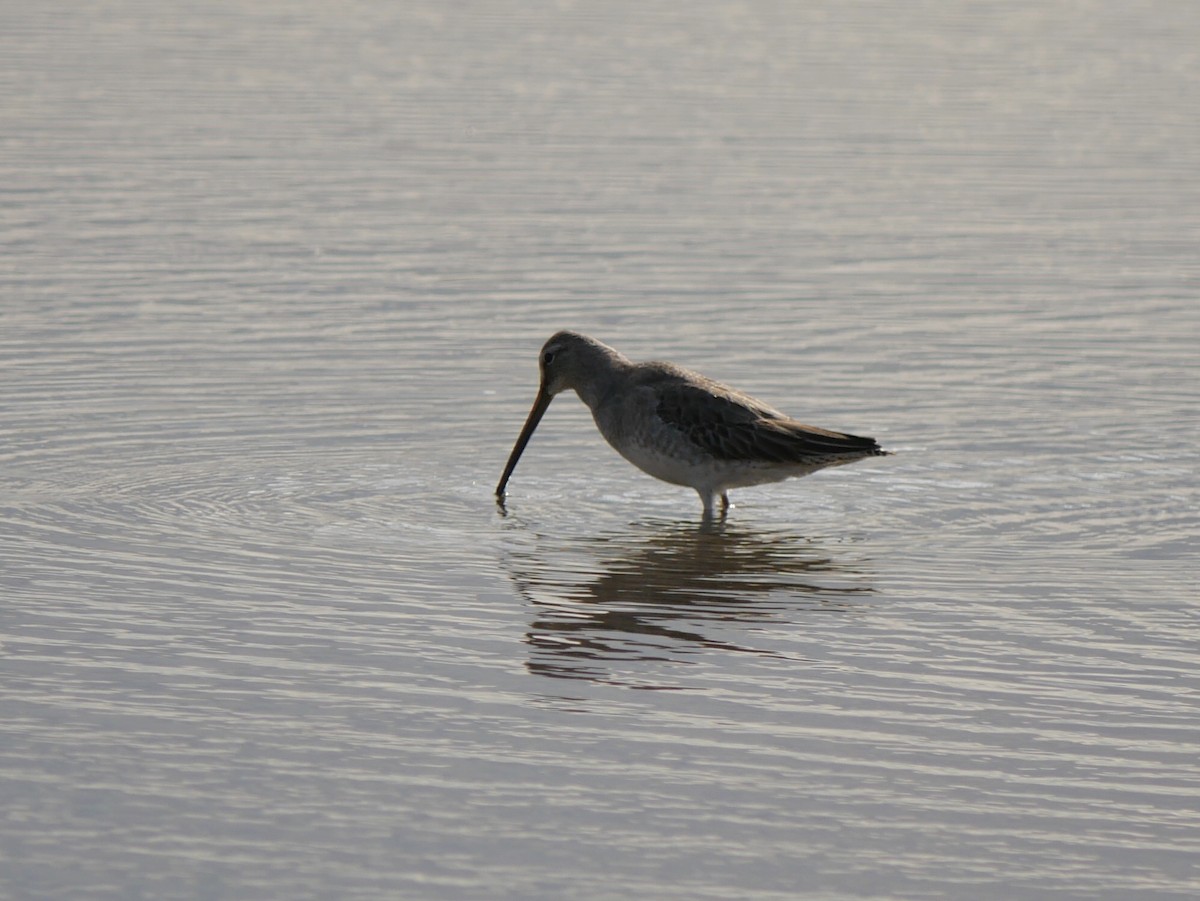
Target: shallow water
(273,285)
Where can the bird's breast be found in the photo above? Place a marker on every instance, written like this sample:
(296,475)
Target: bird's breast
(637,433)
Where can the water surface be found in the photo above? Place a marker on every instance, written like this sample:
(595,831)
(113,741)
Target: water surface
(273,282)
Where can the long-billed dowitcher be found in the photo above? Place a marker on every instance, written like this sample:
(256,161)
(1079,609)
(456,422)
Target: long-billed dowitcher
(681,427)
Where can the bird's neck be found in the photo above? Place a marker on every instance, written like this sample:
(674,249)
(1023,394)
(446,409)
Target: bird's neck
(607,372)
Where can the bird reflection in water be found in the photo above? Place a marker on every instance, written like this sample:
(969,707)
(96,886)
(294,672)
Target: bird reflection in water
(664,593)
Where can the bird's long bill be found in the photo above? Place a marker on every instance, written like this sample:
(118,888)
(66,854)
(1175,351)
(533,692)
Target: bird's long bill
(540,403)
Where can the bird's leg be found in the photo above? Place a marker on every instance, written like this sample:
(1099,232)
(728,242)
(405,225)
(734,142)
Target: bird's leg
(706,497)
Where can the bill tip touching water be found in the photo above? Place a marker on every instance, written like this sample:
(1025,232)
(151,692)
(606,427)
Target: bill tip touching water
(680,426)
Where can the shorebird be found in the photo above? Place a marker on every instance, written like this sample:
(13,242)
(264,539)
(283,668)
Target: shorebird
(681,427)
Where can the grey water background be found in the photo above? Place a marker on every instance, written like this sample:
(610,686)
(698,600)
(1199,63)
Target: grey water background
(273,278)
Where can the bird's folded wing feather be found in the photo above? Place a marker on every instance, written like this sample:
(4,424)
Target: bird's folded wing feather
(733,426)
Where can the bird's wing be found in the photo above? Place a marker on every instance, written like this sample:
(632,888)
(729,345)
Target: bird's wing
(730,425)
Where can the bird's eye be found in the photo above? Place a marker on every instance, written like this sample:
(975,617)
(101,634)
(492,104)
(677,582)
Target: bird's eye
(548,357)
